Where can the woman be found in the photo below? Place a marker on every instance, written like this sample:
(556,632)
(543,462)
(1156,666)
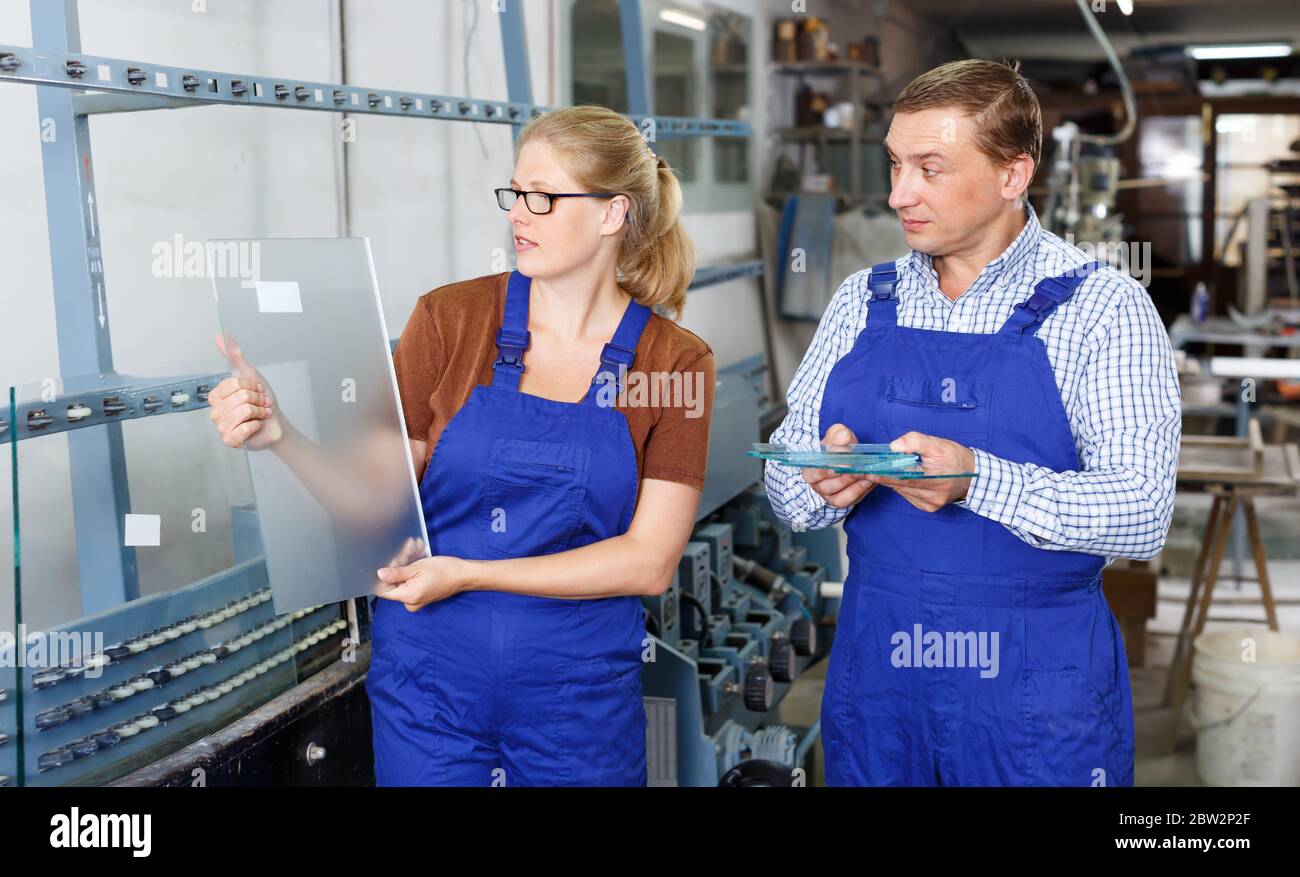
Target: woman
(553,499)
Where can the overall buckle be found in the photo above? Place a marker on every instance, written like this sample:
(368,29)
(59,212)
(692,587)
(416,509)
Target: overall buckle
(511,346)
(611,357)
(881,282)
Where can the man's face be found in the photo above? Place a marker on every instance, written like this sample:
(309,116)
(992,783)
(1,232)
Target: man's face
(946,192)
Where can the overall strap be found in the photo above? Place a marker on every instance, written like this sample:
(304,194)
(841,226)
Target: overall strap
(513,338)
(882,307)
(1049,292)
(617,356)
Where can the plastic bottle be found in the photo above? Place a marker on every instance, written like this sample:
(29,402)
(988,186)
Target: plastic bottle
(1200,303)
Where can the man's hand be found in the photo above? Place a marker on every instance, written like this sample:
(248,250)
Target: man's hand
(938,455)
(839,489)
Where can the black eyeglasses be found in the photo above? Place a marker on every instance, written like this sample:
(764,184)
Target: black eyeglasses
(541,203)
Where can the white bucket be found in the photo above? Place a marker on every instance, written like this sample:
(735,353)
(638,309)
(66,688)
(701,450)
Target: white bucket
(1247,716)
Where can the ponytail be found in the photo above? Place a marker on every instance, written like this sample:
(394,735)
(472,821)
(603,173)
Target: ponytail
(660,268)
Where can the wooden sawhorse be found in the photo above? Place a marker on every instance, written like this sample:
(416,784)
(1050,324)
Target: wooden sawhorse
(1278,474)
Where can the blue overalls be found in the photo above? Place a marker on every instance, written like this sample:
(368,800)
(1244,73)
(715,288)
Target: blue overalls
(492,688)
(964,655)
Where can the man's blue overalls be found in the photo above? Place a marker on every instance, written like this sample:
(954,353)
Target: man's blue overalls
(964,655)
(491,688)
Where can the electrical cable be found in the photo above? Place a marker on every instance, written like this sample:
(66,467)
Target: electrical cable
(692,600)
(1126,89)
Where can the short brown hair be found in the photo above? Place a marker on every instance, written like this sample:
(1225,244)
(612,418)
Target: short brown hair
(1008,120)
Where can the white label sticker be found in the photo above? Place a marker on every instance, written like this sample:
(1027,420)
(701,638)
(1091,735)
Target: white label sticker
(160,79)
(278,297)
(388,101)
(356,98)
(143,530)
(102,71)
(419,103)
(320,96)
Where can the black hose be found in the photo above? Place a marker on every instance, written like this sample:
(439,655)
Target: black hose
(692,600)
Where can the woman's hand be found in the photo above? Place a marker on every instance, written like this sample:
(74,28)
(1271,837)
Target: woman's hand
(242,406)
(418,583)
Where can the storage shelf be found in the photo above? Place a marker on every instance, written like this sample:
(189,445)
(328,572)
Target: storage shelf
(822,133)
(823,68)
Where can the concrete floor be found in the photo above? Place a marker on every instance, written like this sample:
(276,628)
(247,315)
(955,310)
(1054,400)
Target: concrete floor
(1155,764)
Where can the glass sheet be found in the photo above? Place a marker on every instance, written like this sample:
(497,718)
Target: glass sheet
(875,459)
(336,492)
(9,773)
(141,616)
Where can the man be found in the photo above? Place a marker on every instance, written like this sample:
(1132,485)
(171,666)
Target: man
(974,645)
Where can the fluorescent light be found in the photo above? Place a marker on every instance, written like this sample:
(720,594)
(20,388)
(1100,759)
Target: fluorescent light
(1248,50)
(676,16)
(1126,6)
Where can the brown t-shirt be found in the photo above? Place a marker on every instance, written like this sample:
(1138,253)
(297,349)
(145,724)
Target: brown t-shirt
(449,345)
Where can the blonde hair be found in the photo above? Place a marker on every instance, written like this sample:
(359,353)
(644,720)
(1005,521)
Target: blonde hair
(604,152)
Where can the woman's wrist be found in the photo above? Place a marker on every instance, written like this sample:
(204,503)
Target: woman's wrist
(467,574)
(287,441)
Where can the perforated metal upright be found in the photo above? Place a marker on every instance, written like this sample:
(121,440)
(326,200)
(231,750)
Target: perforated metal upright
(96,456)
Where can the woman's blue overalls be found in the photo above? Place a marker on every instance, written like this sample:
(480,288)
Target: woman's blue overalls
(492,688)
(964,655)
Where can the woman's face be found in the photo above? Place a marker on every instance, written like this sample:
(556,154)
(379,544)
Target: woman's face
(570,235)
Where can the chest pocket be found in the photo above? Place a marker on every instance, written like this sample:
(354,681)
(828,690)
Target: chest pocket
(533,496)
(948,408)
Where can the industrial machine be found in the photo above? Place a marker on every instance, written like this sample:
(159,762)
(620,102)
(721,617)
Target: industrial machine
(1085,176)
(745,615)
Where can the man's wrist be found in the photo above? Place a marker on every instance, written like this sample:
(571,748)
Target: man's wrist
(967,465)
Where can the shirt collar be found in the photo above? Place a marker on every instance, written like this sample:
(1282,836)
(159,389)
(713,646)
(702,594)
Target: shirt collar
(1010,260)
(1025,243)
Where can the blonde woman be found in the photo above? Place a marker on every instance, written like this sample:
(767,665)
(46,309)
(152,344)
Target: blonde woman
(554,496)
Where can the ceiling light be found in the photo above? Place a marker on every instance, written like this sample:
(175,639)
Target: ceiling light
(1245,50)
(676,16)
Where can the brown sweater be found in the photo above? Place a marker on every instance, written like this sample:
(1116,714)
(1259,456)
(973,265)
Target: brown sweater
(449,345)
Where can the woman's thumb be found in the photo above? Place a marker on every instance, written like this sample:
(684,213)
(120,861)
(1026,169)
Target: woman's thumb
(234,353)
(395,574)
